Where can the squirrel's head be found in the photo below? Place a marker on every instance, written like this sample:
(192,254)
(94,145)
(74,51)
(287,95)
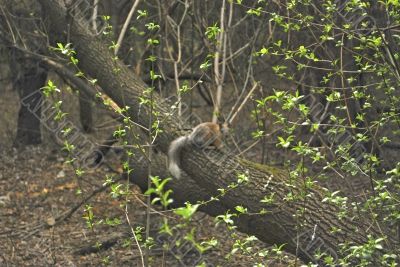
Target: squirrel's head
(224,128)
(224,125)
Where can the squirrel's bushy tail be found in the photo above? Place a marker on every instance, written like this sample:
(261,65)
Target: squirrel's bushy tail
(174,156)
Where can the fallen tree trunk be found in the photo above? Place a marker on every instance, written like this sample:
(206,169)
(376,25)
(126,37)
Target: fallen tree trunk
(297,216)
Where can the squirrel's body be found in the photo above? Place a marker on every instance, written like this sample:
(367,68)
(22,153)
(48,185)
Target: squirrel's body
(203,135)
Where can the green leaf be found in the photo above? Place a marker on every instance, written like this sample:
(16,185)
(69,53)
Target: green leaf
(188,211)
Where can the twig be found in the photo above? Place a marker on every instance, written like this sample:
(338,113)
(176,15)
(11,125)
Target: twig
(125,27)
(65,215)
(94,15)
(69,213)
(220,74)
(105,244)
(242,105)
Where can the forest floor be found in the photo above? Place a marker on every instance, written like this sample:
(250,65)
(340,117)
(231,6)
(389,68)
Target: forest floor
(39,226)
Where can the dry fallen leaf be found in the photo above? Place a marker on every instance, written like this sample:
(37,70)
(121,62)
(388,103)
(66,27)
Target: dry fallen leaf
(51,221)
(61,174)
(5,199)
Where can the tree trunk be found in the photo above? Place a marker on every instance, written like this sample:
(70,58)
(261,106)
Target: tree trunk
(28,82)
(86,112)
(302,221)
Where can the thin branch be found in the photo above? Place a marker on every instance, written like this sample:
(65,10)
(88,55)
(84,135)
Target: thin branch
(94,15)
(220,74)
(125,27)
(244,102)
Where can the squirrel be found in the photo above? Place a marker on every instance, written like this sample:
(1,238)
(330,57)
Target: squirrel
(207,134)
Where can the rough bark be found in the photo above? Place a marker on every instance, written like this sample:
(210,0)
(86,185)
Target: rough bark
(86,112)
(279,222)
(28,83)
